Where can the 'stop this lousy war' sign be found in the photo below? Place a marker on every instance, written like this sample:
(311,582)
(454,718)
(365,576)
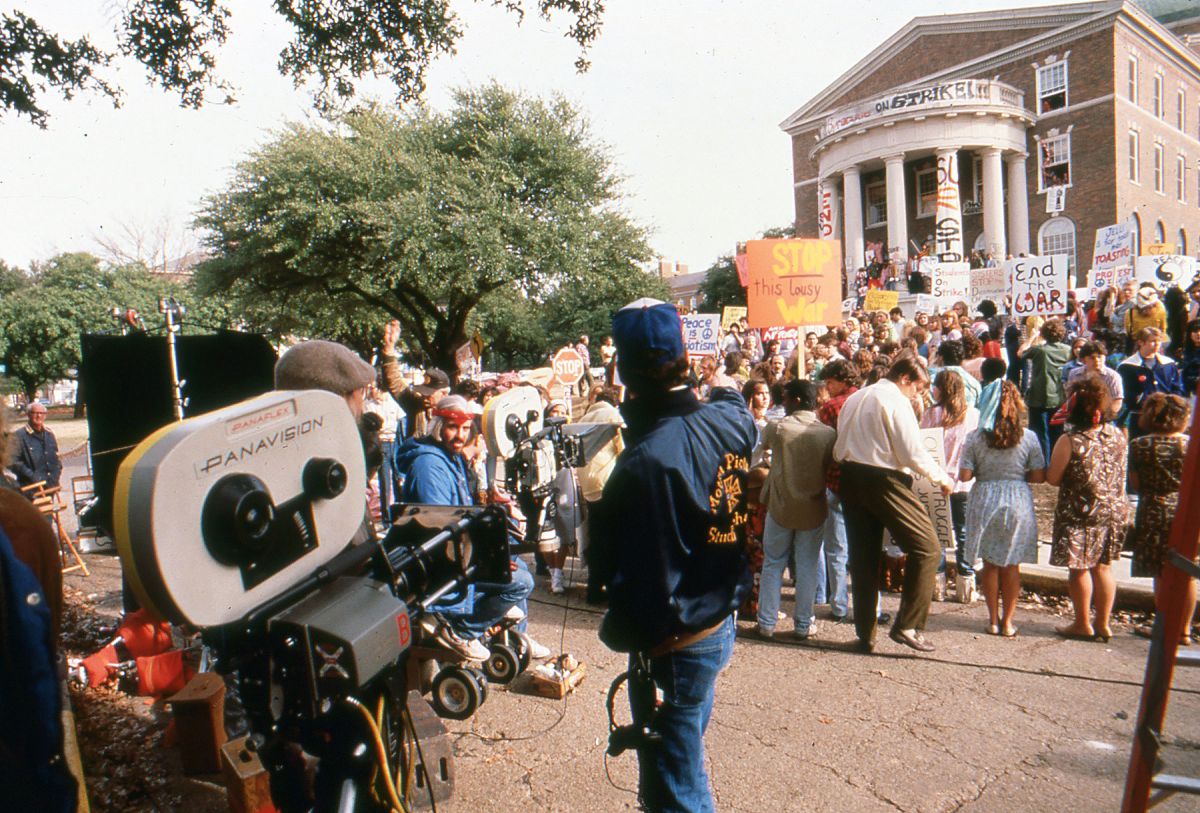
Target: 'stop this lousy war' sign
(794,282)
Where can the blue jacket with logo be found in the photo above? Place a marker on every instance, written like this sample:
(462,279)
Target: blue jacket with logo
(668,535)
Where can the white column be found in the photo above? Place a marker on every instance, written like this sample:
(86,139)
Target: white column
(853,221)
(1018,205)
(897,208)
(947,231)
(993,204)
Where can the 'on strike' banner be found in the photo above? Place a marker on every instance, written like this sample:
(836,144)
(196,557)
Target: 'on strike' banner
(794,282)
(1039,285)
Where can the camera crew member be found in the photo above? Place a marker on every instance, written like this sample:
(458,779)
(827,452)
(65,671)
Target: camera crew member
(668,542)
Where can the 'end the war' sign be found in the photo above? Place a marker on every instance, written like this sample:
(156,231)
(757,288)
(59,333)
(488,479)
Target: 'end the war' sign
(1039,285)
(794,282)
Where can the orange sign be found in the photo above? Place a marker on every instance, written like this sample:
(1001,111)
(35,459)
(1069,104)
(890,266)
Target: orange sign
(568,366)
(794,282)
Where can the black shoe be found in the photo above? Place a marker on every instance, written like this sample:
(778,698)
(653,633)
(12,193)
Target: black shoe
(840,619)
(864,645)
(885,618)
(914,640)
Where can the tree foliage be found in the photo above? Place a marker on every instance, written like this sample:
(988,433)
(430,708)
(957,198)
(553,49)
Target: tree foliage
(721,286)
(423,217)
(335,43)
(44,312)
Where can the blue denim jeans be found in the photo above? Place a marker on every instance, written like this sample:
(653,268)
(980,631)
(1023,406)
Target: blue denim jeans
(837,554)
(492,601)
(386,482)
(958,519)
(672,778)
(778,545)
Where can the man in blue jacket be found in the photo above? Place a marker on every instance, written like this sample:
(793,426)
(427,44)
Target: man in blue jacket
(35,458)
(668,543)
(436,472)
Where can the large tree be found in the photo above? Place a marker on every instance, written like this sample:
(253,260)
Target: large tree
(334,44)
(421,217)
(45,311)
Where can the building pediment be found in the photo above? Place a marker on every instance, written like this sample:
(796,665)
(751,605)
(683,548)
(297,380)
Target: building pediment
(930,45)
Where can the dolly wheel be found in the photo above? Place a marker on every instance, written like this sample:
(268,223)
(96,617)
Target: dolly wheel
(480,680)
(502,665)
(519,643)
(455,693)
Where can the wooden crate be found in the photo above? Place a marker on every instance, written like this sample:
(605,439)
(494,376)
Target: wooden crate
(557,689)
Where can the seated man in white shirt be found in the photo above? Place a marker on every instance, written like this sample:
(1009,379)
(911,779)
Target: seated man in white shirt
(879,448)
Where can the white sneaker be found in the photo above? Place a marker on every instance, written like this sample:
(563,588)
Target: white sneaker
(538,652)
(515,614)
(556,580)
(471,649)
(764,632)
(965,588)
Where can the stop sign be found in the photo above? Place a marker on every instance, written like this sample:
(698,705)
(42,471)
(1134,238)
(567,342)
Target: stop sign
(568,366)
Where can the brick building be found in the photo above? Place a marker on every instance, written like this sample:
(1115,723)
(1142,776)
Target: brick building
(965,122)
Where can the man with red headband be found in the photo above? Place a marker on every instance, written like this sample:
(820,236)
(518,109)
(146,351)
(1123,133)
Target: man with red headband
(437,473)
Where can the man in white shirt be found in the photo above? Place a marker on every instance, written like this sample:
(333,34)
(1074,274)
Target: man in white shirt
(879,448)
(381,403)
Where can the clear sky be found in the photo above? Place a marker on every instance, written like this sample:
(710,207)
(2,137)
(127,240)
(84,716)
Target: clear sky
(688,97)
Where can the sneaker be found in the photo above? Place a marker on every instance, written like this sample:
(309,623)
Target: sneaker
(803,635)
(556,580)
(766,633)
(439,629)
(538,652)
(964,587)
(515,614)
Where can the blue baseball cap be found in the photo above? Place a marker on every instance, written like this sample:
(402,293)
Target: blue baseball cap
(648,334)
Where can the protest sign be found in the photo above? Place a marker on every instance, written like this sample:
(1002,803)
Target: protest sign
(1166,270)
(937,504)
(568,367)
(1056,199)
(881,300)
(794,282)
(702,333)
(730,314)
(988,283)
(849,305)
(1158,249)
(926,303)
(951,283)
(1039,285)
(1101,278)
(1114,247)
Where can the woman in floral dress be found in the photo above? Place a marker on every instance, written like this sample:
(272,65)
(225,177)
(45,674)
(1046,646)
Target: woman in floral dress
(1155,471)
(1092,516)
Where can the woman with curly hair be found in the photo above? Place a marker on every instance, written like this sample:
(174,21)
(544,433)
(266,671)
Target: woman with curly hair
(1092,516)
(1155,472)
(957,421)
(1003,457)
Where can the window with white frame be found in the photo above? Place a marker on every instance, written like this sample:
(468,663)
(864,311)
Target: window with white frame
(1052,87)
(876,204)
(1158,96)
(1057,236)
(1181,179)
(1181,117)
(1133,80)
(1056,162)
(927,192)
(1135,169)
(1158,169)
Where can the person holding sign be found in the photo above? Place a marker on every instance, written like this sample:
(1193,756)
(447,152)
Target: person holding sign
(879,447)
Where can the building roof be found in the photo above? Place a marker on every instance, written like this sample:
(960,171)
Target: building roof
(1170,11)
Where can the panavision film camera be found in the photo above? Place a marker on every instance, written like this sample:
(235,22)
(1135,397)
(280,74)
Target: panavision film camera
(248,525)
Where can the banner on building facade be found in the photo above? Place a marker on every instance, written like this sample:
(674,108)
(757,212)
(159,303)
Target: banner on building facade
(1056,199)
(1039,285)
(928,96)
(1166,270)
(1114,247)
(947,230)
(827,211)
(1158,249)
(794,282)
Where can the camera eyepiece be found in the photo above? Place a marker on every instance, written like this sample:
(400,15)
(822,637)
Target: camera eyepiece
(236,518)
(324,478)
